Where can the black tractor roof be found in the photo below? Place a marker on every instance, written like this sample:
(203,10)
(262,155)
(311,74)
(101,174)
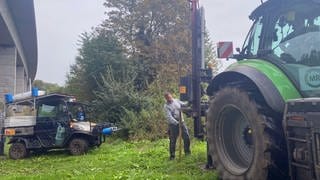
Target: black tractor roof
(272,6)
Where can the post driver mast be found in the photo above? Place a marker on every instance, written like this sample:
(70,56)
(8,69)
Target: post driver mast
(190,85)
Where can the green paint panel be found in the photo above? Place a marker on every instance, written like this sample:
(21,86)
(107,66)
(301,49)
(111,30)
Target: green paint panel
(279,79)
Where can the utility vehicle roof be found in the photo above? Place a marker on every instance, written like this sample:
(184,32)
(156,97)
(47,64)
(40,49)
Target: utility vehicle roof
(54,96)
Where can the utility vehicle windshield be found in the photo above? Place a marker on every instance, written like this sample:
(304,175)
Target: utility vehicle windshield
(78,111)
(290,37)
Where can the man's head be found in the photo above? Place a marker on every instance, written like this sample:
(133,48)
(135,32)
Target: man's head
(80,109)
(168,97)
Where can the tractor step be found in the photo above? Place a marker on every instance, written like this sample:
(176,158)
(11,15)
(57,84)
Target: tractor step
(297,139)
(302,129)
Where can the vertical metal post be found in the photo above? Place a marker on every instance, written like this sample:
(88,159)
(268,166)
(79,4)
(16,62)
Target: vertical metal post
(180,134)
(196,65)
(202,33)
(2,137)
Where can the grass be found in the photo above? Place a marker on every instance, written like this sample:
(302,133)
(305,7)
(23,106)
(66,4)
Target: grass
(115,159)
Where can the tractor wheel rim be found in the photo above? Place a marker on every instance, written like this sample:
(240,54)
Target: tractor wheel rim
(236,141)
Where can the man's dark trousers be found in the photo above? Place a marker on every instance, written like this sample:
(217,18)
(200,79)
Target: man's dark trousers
(173,135)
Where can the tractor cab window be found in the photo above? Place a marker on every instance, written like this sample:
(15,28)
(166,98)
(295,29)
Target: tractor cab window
(296,45)
(252,43)
(297,38)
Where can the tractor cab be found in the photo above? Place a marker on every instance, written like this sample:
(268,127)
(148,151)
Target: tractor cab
(289,38)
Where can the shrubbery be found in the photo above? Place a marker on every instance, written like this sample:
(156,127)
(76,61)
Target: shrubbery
(139,113)
(139,51)
(145,124)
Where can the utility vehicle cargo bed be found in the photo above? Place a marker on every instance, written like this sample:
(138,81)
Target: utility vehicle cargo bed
(19,121)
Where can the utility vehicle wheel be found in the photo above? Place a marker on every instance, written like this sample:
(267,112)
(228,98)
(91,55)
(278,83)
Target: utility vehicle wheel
(18,150)
(243,142)
(78,146)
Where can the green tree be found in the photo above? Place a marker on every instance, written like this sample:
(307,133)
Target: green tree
(210,53)
(117,94)
(98,51)
(155,34)
(138,52)
(48,87)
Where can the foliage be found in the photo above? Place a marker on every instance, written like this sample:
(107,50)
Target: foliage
(113,160)
(145,124)
(48,87)
(116,94)
(210,53)
(154,33)
(99,50)
(138,112)
(137,53)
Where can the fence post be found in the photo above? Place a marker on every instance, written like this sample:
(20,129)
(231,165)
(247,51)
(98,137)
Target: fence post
(2,137)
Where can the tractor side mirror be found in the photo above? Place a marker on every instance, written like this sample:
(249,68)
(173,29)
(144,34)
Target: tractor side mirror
(225,49)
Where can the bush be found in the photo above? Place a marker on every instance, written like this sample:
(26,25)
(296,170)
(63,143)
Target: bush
(116,95)
(138,112)
(145,124)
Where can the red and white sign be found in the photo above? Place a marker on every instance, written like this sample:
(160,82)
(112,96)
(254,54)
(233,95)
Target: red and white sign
(225,49)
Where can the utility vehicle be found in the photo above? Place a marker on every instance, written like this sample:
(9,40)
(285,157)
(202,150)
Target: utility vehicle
(41,123)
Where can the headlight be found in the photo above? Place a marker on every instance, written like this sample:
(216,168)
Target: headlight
(80,126)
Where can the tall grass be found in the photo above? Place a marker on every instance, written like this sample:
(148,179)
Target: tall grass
(115,159)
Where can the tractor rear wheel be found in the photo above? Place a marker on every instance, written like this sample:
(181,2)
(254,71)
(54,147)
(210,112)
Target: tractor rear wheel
(18,150)
(78,146)
(243,142)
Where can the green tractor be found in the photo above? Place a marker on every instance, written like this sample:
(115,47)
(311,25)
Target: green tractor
(263,120)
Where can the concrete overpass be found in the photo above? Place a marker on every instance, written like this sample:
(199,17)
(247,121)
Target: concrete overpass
(18,46)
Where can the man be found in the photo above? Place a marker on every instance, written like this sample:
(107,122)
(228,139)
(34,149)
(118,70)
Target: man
(80,114)
(172,112)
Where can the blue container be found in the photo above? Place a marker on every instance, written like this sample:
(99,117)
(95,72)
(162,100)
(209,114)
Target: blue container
(107,131)
(34,92)
(9,98)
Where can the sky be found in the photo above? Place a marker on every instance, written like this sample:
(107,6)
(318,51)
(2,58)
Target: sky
(61,22)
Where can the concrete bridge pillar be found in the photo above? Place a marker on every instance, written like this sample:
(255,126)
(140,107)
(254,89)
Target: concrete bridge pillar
(21,85)
(8,61)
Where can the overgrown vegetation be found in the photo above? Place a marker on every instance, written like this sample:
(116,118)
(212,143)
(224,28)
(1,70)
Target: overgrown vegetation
(117,94)
(127,62)
(113,160)
(122,69)
(48,87)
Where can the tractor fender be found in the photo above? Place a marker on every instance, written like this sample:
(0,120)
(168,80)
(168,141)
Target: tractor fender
(247,77)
